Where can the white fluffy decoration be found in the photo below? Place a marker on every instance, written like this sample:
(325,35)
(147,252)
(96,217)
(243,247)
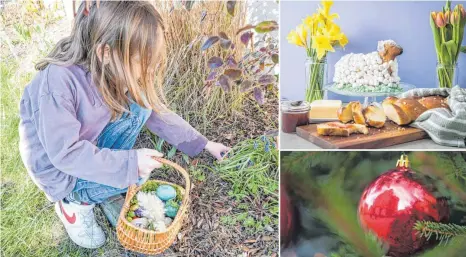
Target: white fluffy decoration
(168,221)
(152,209)
(381,44)
(141,222)
(365,69)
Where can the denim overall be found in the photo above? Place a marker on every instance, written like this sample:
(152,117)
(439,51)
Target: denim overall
(120,134)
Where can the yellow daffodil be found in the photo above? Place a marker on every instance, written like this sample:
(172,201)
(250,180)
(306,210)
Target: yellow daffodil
(301,30)
(310,19)
(327,5)
(343,40)
(318,34)
(312,23)
(321,44)
(326,11)
(294,38)
(333,32)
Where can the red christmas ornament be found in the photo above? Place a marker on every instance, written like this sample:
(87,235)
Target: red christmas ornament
(394,202)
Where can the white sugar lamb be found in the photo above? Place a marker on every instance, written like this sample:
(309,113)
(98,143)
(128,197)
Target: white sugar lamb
(153,209)
(370,70)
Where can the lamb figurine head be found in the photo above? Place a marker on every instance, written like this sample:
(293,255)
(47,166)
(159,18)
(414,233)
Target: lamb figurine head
(369,71)
(389,50)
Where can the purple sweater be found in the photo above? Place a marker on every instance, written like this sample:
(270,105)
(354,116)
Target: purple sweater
(62,114)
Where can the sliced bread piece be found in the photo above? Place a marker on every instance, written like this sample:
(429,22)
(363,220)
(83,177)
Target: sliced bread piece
(340,129)
(358,117)
(375,116)
(345,113)
(389,100)
(395,114)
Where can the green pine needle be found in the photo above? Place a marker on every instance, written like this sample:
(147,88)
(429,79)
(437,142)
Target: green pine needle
(455,248)
(442,232)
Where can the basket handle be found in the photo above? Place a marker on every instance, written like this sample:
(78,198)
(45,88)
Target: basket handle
(132,190)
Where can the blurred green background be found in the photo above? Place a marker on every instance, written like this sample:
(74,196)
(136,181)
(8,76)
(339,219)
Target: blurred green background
(325,188)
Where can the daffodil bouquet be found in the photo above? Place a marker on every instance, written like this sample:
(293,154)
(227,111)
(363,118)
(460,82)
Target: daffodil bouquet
(318,34)
(448,30)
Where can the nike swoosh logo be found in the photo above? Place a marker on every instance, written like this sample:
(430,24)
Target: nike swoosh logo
(71,219)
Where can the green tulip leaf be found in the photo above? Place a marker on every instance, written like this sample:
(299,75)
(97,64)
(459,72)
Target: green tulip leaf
(452,48)
(445,55)
(463,49)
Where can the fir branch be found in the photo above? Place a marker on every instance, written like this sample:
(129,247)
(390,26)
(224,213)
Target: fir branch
(459,163)
(456,248)
(442,232)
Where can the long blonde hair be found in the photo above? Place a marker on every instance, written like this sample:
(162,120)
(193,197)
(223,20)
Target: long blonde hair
(128,29)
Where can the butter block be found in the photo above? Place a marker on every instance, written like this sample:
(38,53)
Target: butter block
(324,109)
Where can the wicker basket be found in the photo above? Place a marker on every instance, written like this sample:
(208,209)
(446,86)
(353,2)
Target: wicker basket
(148,241)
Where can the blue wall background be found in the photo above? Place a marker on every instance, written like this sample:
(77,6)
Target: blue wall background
(365,23)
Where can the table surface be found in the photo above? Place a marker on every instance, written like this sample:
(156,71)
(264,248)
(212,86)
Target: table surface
(291,141)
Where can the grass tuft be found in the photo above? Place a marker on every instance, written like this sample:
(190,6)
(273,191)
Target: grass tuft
(252,170)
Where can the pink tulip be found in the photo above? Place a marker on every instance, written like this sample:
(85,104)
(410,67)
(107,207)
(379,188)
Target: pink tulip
(447,17)
(440,20)
(454,18)
(463,12)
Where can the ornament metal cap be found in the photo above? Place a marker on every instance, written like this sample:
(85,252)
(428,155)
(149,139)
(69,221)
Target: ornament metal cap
(403,162)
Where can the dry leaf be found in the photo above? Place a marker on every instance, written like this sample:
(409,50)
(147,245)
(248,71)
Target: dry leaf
(267,238)
(249,241)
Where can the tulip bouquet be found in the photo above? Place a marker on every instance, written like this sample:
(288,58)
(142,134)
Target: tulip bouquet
(318,34)
(448,29)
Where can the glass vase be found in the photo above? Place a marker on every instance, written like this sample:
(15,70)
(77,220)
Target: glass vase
(447,75)
(316,79)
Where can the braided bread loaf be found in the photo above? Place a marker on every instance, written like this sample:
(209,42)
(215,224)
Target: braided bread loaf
(406,110)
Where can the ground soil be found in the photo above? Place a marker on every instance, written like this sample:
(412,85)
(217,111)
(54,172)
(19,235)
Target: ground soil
(204,234)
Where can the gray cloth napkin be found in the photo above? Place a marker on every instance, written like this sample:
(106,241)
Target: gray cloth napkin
(445,127)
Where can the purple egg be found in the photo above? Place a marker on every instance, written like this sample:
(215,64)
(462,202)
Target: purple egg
(138,212)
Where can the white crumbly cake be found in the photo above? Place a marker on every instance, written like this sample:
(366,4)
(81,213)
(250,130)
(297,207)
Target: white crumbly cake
(367,72)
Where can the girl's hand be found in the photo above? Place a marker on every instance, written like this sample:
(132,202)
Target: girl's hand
(217,150)
(146,163)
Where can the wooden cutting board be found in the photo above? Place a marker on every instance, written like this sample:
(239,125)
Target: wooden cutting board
(390,134)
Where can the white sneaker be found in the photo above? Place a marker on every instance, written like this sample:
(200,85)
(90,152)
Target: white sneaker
(80,224)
